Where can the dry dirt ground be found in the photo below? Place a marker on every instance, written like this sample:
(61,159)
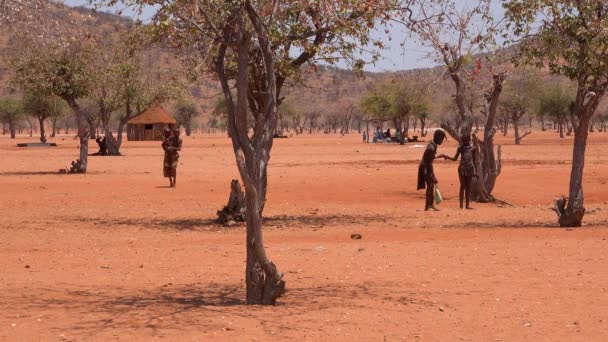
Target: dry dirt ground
(116,255)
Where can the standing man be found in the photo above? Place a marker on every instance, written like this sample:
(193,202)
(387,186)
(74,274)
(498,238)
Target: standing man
(426,174)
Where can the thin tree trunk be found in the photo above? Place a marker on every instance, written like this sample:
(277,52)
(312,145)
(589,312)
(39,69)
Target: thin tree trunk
(113,148)
(11,128)
(83,134)
(574,212)
(54,127)
(422,126)
(42,132)
(542,124)
(264,283)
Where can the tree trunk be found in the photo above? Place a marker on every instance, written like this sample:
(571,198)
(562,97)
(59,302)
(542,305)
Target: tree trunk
(42,132)
(542,124)
(264,283)
(3,128)
(235,210)
(121,126)
(189,127)
(113,148)
(83,135)
(54,127)
(489,164)
(572,214)
(422,126)
(11,128)
(561,129)
(31,127)
(518,138)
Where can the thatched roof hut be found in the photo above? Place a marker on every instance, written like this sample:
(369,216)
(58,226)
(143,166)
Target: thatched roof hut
(150,125)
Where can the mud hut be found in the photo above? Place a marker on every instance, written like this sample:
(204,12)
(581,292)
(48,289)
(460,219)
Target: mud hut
(149,125)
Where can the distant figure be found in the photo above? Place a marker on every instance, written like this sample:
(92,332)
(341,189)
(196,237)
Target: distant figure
(365,138)
(467,169)
(387,135)
(426,174)
(175,145)
(168,170)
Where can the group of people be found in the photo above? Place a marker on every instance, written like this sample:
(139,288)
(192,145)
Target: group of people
(380,136)
(467,170)
(172,144)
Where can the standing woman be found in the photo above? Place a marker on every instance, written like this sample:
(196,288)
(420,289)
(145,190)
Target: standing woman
(467,168)
(175,145)
(426,174)
(167,159)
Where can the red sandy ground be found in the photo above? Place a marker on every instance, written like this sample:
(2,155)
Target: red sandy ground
(116,255)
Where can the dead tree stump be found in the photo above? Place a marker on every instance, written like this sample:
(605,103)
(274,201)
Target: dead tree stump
(235,210)
(568,217)
(77,166)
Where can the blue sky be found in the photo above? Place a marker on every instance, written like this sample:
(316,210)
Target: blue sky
(411,55)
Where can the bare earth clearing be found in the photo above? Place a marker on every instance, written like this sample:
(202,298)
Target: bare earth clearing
(115,254)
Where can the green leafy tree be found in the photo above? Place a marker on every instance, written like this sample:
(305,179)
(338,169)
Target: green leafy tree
(570,38)
(184,113)
(41,107)
(11,112)
(520,99)
(128,81)
(61,71)
(554,102)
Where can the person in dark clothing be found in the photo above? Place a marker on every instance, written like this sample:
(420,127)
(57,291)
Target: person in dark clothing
(467,169)
(426,174)
(172,148)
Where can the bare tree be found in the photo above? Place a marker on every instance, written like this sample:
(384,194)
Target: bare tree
(312,117)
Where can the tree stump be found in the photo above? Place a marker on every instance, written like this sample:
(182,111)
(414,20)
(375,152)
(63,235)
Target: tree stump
(76,167)
(235,210)
(568,217)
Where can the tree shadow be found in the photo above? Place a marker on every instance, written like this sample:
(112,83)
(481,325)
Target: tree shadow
(92,311)
(45,173)
(319,221)
(29,173)
(210,224)
(159,224)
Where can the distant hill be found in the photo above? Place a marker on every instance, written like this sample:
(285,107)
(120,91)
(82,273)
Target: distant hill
(325,89)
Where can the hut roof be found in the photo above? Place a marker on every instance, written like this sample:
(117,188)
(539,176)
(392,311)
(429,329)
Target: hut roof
(153,115)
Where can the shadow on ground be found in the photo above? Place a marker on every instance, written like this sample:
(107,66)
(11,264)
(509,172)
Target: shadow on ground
(88,312)
(193,224)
